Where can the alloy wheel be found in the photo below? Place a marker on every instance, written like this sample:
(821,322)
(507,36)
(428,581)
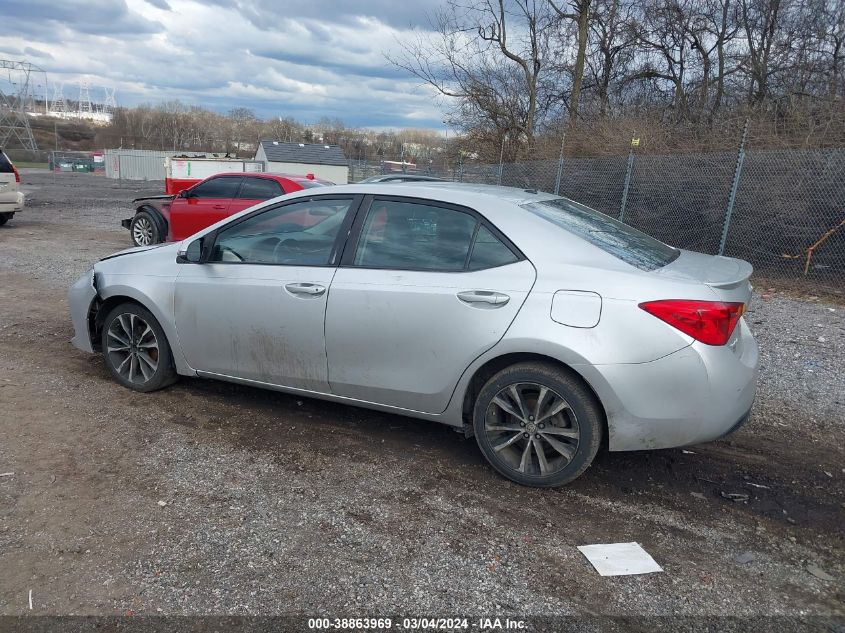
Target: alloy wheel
(532,429)
(132,348)
(142,231)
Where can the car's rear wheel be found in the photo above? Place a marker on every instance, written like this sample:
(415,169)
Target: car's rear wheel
(144,229)
(537,424)
(5,217)
(136,350)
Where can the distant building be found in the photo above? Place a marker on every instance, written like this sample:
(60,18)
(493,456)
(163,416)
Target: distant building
(324,161)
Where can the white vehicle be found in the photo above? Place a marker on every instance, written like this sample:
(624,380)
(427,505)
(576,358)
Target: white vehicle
(11,198)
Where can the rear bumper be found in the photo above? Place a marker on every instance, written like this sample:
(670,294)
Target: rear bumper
(79,299)
(15,206)
(697,394)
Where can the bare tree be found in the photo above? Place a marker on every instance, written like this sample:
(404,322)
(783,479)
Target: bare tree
(761,22)
(490,57)
(580,14)
(612,51)
(663,31)
(719,18)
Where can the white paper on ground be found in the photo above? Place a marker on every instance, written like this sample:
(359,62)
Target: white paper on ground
(619,559)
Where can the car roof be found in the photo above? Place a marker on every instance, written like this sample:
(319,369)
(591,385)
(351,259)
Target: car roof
(402,176)
(445,191)
(267,174)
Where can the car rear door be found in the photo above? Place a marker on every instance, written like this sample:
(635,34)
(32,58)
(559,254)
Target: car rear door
(423,290)
(202,205)
(254,190)
(256,309)
(8,184)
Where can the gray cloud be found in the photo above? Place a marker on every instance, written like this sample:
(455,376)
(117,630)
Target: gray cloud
(306,60)
(159,4)
(97,17)
(397,13)
(34,52)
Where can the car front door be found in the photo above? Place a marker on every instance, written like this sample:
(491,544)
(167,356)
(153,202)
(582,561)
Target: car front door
(255,309)
(202,205)
(254,190)
(422,291)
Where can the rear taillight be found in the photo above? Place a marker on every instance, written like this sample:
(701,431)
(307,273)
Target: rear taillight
(17,174)
(711,322)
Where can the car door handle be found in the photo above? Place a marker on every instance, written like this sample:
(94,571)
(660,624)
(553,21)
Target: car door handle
(484,297)
(219,206)
(311,290)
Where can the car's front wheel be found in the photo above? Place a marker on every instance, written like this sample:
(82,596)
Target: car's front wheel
(537,424)
(136,350)
(144,229)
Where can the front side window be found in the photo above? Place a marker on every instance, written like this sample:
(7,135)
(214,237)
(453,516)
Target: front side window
(260,189)
(418,236)
(612,236)
(223,187)
(299,234)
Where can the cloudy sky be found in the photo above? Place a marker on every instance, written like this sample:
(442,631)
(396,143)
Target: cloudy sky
(305,58)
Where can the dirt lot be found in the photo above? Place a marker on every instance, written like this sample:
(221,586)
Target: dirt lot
(210,498)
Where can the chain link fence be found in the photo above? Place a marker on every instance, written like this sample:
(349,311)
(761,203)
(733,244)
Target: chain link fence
(79,162)
(781,210)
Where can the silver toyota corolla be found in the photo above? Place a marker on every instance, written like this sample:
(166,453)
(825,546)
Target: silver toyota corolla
(539,325)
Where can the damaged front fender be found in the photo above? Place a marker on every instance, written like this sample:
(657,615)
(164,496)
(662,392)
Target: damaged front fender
(81,299)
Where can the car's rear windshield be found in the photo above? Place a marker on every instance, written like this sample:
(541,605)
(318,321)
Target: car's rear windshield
(612,236)
(5,164)
(308,184)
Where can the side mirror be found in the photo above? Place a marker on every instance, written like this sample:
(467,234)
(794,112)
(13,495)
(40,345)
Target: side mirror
(184,194)
(192,254)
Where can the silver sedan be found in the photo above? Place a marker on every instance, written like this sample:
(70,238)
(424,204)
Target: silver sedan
(540,326)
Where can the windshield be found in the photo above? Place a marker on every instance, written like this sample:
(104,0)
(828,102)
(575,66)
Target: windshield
(310,184)
(612,236)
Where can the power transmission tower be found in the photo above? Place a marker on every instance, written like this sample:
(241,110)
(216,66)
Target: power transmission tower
(110,103)
(58,98)
(85,99)
(15,95)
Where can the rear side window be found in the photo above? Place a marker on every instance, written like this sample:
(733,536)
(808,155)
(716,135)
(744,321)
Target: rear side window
(488,251)
(620,240)
(224,187)
(5,164)
(416,236)
(260,189)
(412,236)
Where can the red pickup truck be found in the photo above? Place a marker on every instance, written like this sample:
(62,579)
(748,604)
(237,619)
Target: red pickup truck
(172,218)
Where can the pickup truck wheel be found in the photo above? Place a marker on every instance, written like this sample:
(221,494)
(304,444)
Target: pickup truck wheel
(144,229)
(5,217)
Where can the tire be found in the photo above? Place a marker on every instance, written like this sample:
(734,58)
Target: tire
(145,229)
(5,217)
(511,435)
(130,334)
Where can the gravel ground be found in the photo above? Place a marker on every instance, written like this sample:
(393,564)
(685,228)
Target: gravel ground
(212,498)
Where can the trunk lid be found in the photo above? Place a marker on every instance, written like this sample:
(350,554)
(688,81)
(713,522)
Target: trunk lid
(726,276)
